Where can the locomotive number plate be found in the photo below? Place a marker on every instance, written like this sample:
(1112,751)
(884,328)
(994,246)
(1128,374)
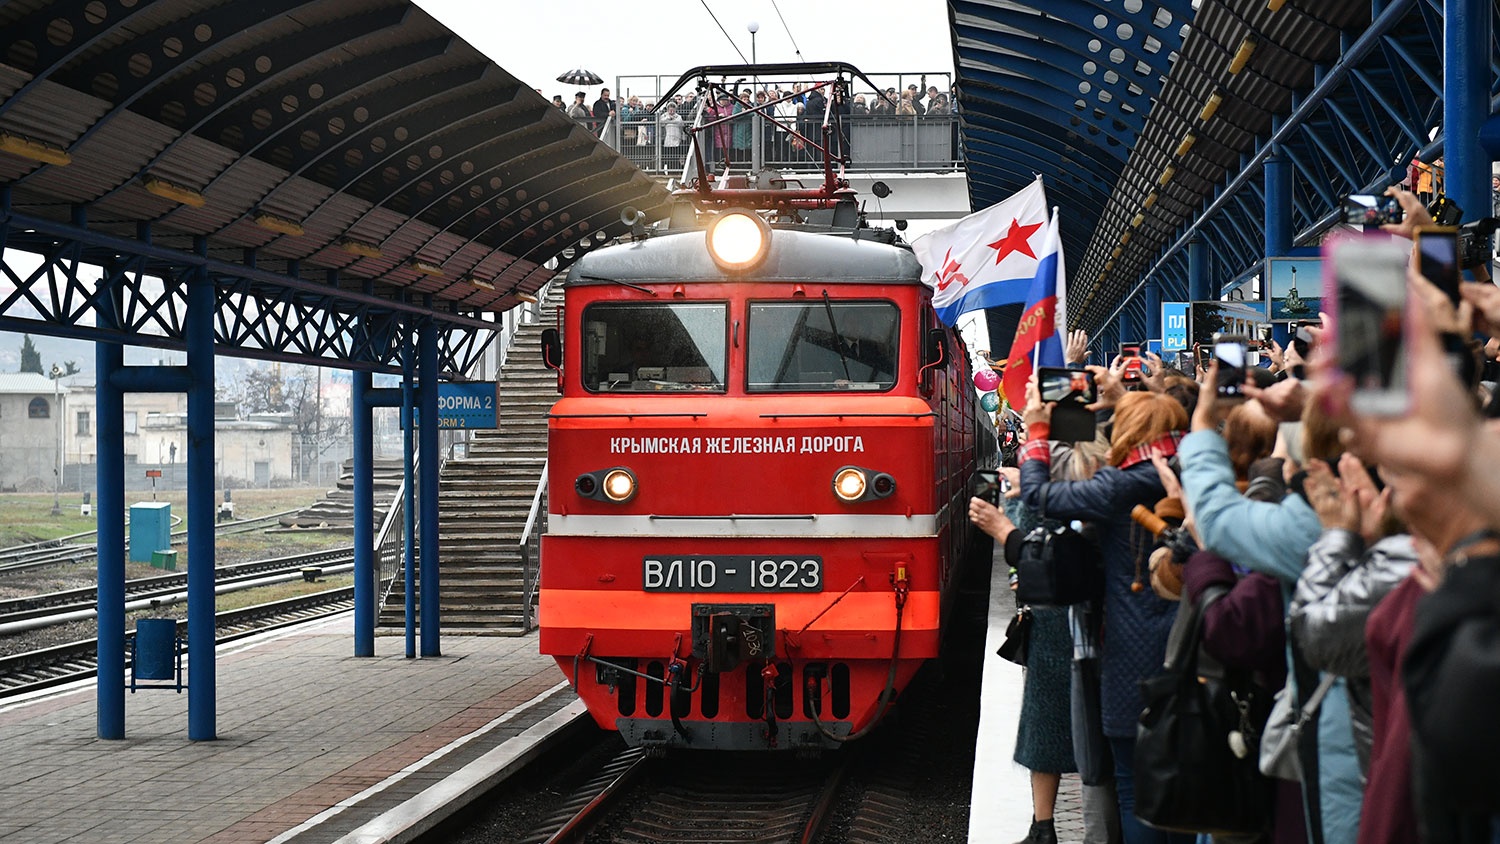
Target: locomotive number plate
(733,573)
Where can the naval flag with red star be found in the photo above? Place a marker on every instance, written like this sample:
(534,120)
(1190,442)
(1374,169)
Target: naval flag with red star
(1040,329)
(988,258)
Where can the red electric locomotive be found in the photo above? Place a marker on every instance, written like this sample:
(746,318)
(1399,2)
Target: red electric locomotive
(758,475)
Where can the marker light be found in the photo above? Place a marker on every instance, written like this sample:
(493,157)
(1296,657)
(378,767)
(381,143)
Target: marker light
(849,483)
(738,240)
(619,485)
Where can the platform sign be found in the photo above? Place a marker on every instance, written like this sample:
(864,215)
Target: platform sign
(1174,326)
(471,404)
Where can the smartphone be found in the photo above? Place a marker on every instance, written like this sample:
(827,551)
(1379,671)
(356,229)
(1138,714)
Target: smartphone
(1437,258)
(1067,385)
(1131,355)
(1301,338)
(1368,281)
(987,485)
(1367,209)
(1231,353)
(1205,356)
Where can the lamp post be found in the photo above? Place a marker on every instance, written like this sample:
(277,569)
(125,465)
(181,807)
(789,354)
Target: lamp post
(757,153)
(57,469)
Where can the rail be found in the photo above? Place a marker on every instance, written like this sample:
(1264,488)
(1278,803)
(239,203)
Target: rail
(531,551)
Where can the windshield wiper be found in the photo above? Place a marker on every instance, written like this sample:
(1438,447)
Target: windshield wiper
(645,290)
(838,339)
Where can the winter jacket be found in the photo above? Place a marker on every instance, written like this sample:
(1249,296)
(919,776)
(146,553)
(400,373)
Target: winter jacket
(1246,628)
(1135,623)
(1331,603)
(1261,536)
(1452,679)
(1389,816)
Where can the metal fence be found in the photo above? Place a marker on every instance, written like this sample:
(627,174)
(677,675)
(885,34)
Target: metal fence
(873,142)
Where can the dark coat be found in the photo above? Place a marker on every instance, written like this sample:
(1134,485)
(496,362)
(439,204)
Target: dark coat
(1246,628)
(1135,623)
(1452,679)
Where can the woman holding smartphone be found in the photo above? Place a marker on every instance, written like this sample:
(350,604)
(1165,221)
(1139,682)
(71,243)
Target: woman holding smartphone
(1136,621)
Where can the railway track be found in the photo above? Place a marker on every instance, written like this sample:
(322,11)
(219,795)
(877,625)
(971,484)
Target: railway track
(68,603)
(75,548)
(40,669)
(639,799)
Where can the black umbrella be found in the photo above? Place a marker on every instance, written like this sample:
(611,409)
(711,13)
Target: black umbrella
(579,76)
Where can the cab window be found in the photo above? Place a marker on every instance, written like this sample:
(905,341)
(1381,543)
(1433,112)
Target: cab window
(818,345)
(667,347)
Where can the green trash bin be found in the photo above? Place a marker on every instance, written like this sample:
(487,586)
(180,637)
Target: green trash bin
(164,560)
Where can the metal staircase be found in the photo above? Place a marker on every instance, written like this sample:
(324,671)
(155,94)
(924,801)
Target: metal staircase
(486,496)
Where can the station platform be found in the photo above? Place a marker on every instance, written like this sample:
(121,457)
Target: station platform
(315,745)
(1000,798)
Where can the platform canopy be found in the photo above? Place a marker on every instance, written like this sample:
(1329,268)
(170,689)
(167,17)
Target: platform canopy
(356,144)
(1151,121)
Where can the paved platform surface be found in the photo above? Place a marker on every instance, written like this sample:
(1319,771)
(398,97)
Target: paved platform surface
(314,746)
(1000,806)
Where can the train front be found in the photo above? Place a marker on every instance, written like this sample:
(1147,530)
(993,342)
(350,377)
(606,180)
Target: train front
(750,485)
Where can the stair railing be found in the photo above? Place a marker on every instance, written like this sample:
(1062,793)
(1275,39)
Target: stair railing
(531,551)
(389,542)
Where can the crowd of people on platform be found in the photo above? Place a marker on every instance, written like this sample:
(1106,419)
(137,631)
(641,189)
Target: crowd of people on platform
(798,109)
(1354,563)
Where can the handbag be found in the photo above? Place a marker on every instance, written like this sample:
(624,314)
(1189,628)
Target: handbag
(1057,566)
(1194,767)
(1017,642)
(1279,756)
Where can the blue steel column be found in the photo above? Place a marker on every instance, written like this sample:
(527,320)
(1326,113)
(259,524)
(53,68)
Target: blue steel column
(203,684)
(1466,85)
(409,512)
(1278,239)
(427,468)
(1127,326)
(1153,310)
(110,520)
(1199,288)
(361,429)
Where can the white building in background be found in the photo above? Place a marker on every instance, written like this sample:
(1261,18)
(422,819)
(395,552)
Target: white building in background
(33,409)
(256,452)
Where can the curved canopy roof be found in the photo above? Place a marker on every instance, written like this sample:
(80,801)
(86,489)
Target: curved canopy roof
(358,136)
(1148,119)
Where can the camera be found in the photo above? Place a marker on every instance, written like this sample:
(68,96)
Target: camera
(1474,242)
(1367,209)
(989,485)
(1175,539)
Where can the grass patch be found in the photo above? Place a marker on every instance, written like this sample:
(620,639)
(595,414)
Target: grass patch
(27,517)
(280,591)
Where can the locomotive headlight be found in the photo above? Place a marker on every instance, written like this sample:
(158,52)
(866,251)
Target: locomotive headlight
(616,484)
(619,485)
(849,483)
(738,240)
(855,483)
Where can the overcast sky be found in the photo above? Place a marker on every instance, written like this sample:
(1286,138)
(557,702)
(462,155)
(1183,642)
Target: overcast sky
(538,41)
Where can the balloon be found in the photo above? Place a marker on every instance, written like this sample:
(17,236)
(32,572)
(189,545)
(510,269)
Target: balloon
(990,402)
(986,379)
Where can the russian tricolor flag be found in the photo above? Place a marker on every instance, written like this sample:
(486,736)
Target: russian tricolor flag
(1043,322)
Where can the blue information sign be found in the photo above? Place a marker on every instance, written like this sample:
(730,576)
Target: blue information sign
(1174,327)
(472,404)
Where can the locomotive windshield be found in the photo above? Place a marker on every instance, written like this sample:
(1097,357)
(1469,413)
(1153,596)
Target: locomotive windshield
(667,347)
(823,345)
